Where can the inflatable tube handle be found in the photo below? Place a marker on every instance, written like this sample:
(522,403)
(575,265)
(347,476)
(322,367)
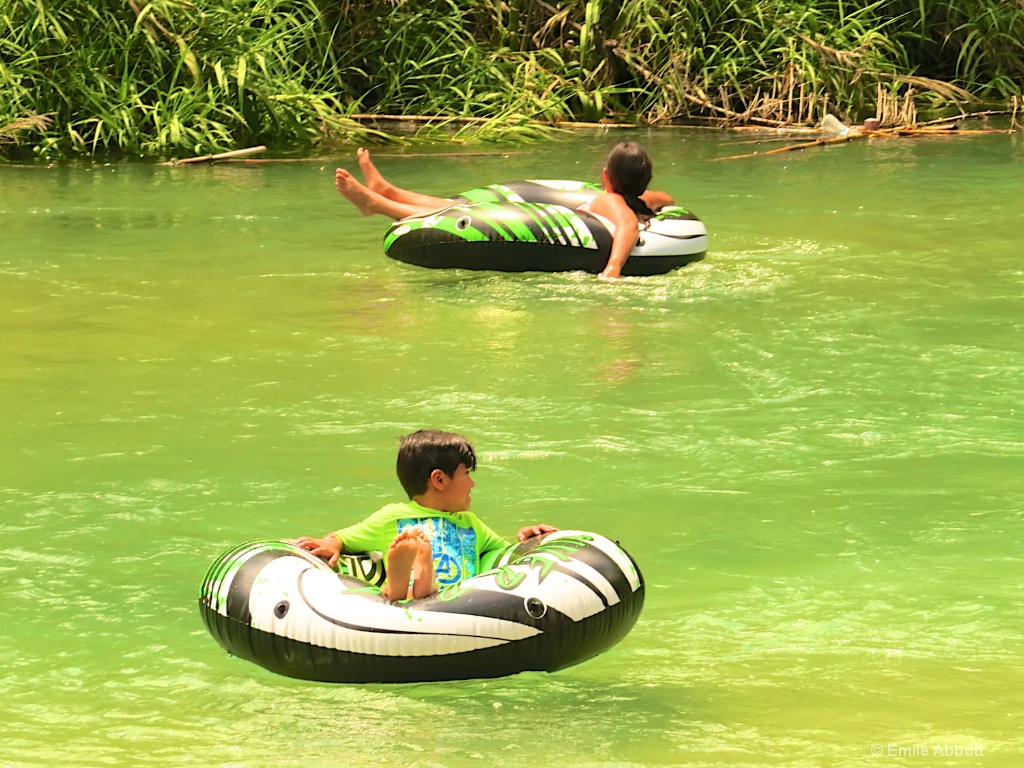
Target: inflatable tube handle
(364,566)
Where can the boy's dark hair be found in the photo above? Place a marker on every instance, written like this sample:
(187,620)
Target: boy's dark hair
(629,169)
(422,452)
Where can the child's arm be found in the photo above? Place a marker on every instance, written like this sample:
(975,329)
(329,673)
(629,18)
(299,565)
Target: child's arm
(360,537)
(529,531)
(627,230)
(657,200)
(329,547)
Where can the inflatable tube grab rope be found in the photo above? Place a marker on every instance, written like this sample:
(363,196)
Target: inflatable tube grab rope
(535,226)
(548,603)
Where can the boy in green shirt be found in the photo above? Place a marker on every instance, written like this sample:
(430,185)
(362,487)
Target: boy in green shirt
(433,538)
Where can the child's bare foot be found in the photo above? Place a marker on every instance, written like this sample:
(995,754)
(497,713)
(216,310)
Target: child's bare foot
(353,191)
(374,179)
(424,581)
(404,556)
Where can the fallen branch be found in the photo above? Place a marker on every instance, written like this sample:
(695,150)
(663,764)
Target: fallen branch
(888,133)
(220,156)
(419,118)
(444,154)
(965,116)
(945,131)
(763,140)
(363,117)
(823,141)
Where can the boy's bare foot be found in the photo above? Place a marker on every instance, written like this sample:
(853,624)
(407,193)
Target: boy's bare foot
(424,580)
(374,179)
(353,191)
(410,555)
(401,557)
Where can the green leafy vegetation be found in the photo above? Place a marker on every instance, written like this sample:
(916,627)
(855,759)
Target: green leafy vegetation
(172,77)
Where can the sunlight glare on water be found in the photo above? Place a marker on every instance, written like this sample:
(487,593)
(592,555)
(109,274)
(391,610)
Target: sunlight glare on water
(810,442)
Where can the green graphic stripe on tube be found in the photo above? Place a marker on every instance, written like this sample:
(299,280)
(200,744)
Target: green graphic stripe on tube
(560,215)
(554,216)
(495,193)
(482,213)
(486,215)
(568,230)
(537,214)
(580,228)
(446,222)
(468,233)
(673,212)
(517,229)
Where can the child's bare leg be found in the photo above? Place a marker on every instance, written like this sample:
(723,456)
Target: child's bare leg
(376,181)
(401,558)
(424,580)
(369,202)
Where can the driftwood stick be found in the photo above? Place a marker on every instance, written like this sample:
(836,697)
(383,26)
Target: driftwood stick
(364,117)
(948,132)
(418,118)
(764,140)
(803,145)
(908,131)
(967,116)
(221,156)
(444,154)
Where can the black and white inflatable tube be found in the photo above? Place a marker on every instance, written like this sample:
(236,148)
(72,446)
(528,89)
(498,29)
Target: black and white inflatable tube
(548,603)
(536,226)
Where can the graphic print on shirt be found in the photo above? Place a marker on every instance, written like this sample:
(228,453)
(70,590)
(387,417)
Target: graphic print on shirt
(454,547)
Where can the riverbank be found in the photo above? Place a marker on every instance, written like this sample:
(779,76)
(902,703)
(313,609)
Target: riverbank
(178,78)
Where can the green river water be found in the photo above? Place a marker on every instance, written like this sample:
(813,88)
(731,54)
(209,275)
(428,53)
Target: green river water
(812,442)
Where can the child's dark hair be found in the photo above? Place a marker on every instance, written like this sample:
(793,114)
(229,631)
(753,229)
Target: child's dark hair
(422,452)
(629,171)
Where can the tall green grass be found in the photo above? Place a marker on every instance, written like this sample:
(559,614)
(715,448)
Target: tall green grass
(190,77)
(169,76)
